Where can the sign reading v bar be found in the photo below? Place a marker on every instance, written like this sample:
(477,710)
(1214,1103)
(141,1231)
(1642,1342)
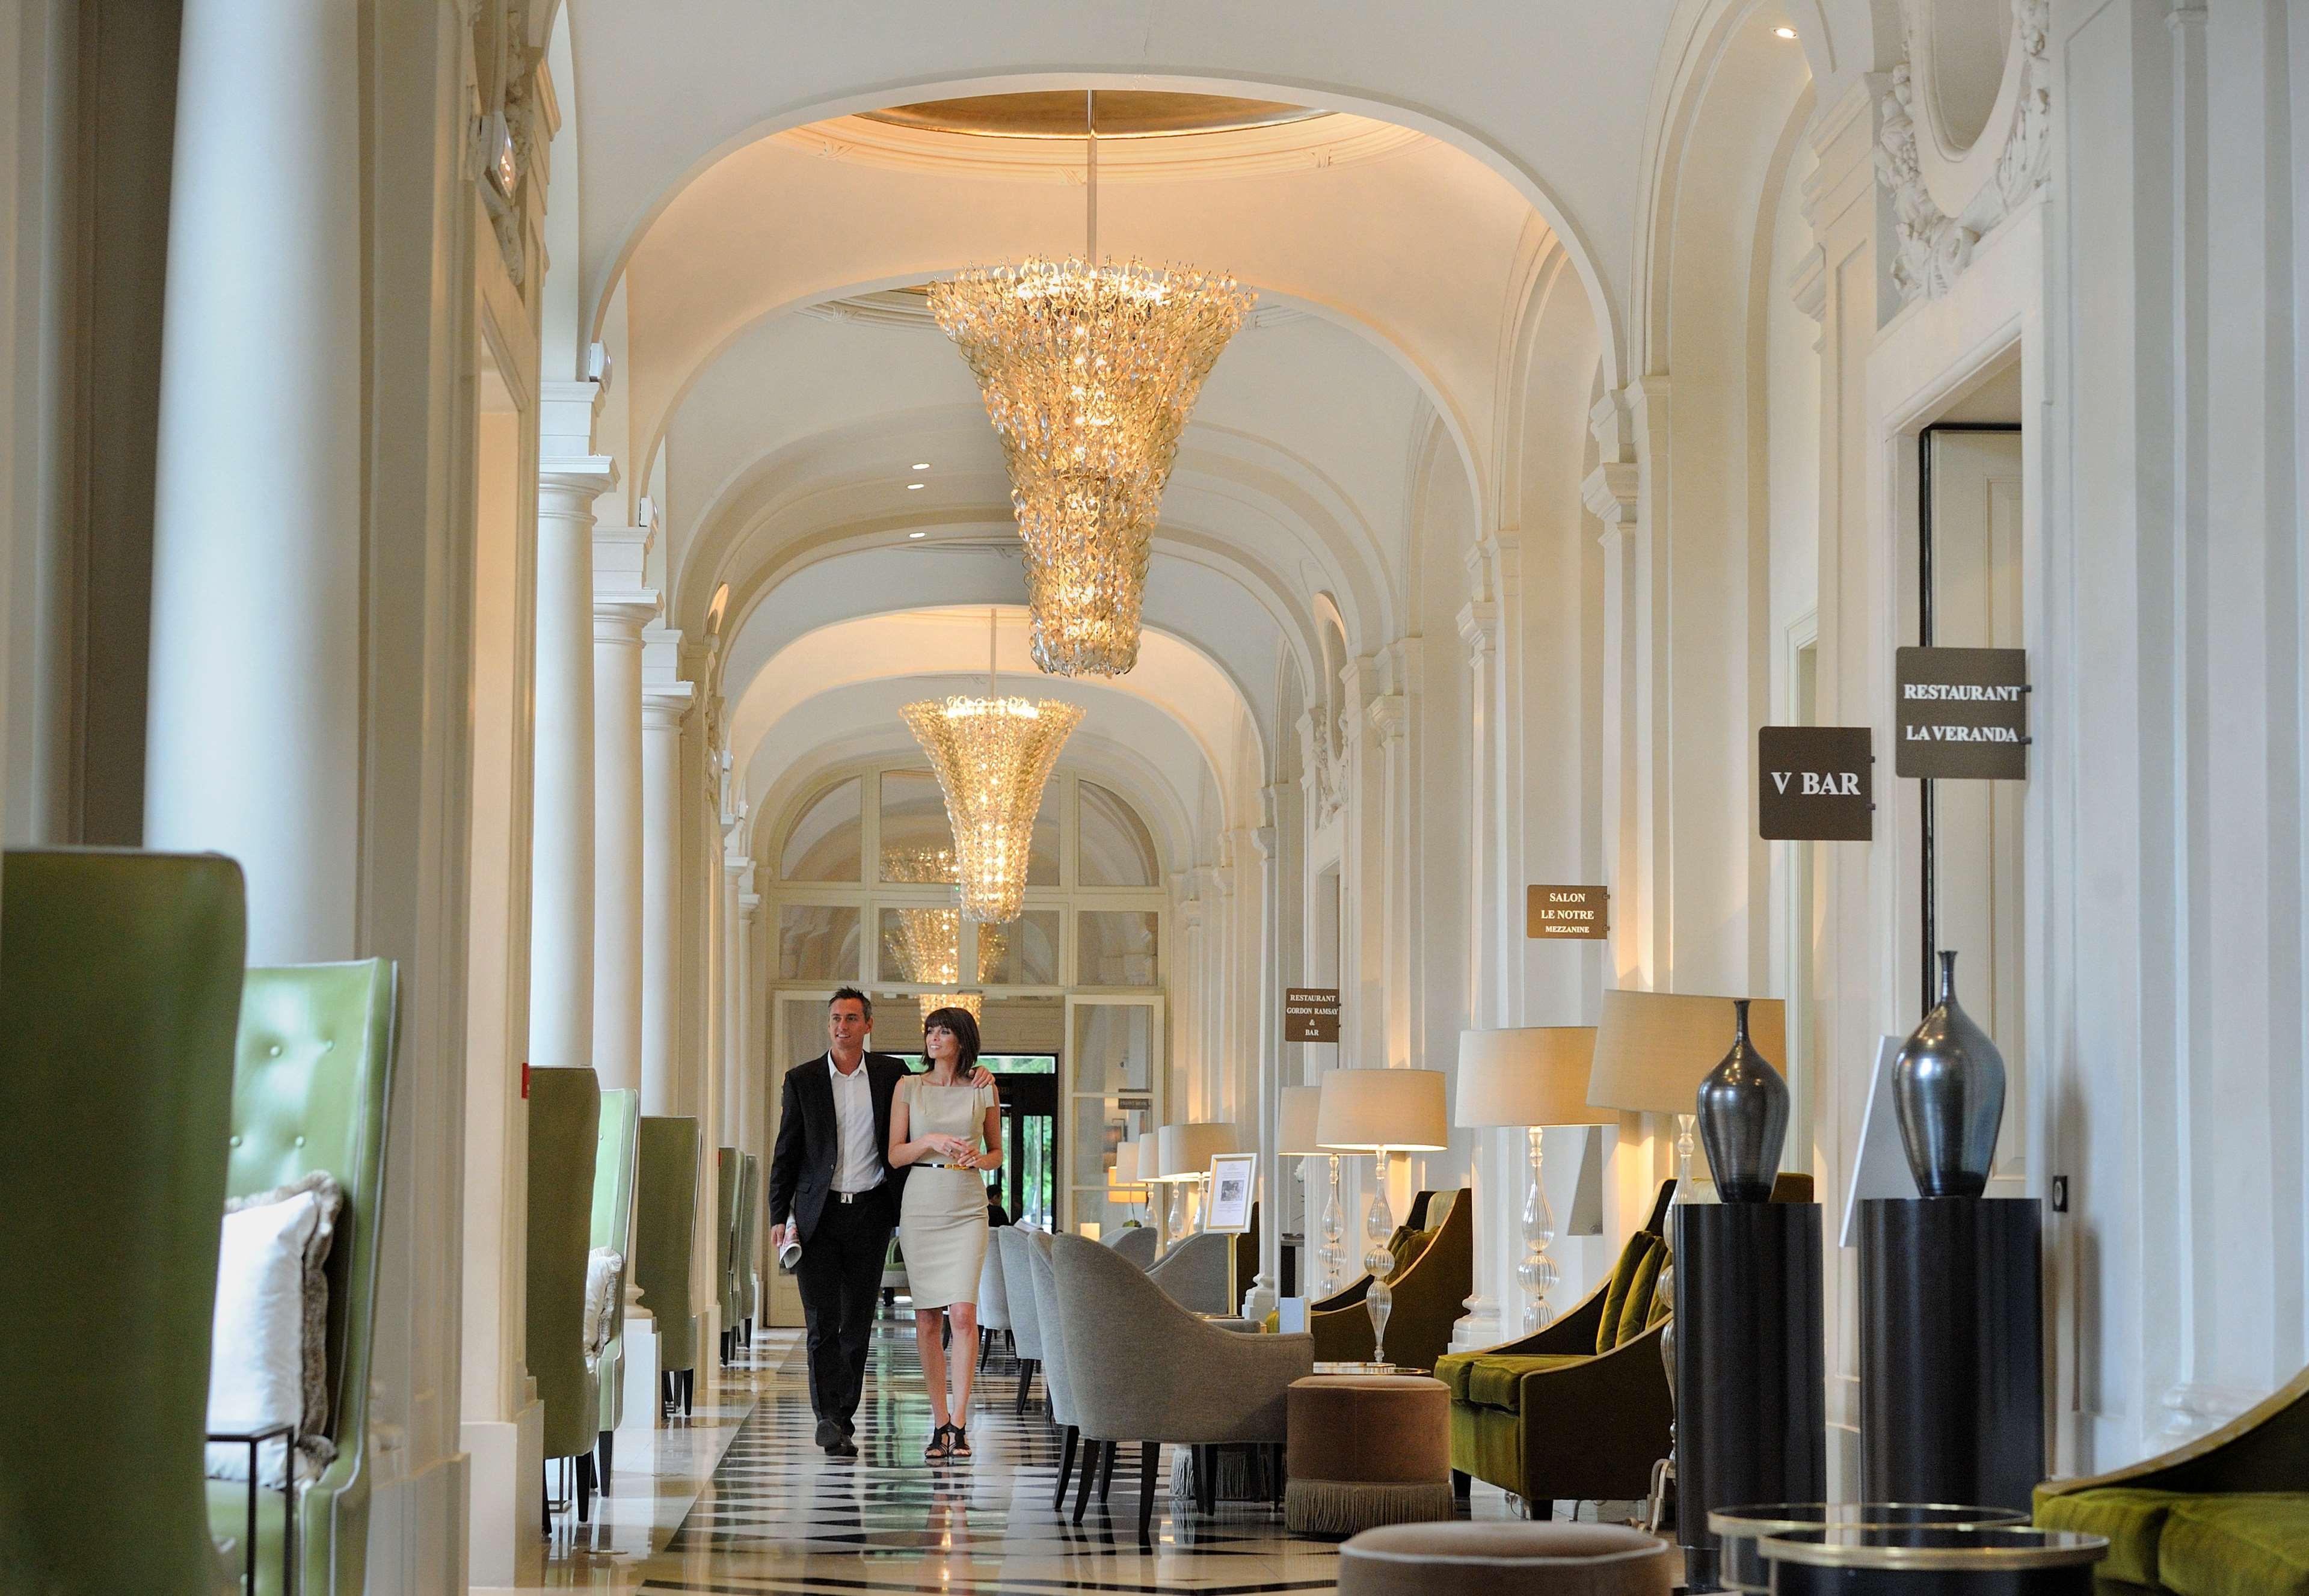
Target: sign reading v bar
(1815,783)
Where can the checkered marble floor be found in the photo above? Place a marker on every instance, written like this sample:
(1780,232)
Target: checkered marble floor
(778,1517)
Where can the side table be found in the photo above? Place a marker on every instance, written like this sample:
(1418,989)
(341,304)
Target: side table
(255,1436)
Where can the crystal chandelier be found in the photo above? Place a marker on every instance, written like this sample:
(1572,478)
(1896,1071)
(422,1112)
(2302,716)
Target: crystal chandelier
(1088,370)
(992,757)
(972,1003)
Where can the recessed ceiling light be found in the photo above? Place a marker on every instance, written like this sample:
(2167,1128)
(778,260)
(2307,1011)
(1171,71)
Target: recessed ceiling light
(913,535)
(915,486)
(924,465)
(1784,33)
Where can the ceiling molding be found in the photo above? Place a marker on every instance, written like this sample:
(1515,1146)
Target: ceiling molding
(1336,139)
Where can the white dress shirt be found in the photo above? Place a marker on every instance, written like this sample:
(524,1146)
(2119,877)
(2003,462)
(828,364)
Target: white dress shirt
(856,1167)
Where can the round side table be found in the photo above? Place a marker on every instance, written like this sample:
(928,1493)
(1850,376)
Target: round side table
(1888,1560)
(1739,1529)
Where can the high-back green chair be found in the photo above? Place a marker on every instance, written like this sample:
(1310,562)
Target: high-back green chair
(565,1134)
(749,1277)
(312,1090)
(613,1228)
(119,985)
(665,1226)
(725,1244)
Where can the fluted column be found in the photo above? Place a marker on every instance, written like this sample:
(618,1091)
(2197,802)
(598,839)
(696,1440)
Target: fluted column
(561,844)
(621,607)
(254,717)
(665,701)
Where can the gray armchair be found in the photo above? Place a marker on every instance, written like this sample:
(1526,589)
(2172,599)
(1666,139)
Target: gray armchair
(1056,1371)
(1025,1323)
(1194,1274)
(993,1301)
(1136,1243)
(1152,1371)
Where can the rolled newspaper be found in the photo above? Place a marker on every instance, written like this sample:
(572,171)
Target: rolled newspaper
(790,1252)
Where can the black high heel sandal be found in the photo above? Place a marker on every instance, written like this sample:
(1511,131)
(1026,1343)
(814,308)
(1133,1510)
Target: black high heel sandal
(937,1450)
(959,1447)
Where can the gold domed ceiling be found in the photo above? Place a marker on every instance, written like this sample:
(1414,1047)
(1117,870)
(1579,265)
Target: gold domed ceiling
(1122,114)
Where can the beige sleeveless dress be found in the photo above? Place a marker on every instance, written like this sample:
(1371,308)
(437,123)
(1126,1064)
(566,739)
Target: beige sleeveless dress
(942,1218)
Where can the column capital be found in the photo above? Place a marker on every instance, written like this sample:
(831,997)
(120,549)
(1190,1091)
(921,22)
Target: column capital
(1479,629)
(748,902)
(574,476)
(1386,713)
(1610,494)
(619,617)
(565,418)
(665,708)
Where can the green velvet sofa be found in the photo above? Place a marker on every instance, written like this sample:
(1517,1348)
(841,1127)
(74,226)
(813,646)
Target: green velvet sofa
(1433,1276)
(1579,1410)
(2227,1515)
(613,1228)
(565,1138)
(313,1091)
(120,987)
(665,1235)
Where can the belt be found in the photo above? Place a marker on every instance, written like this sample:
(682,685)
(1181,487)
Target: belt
(853,1196)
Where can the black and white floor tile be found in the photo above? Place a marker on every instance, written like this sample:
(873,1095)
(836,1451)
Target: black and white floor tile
(775,1516)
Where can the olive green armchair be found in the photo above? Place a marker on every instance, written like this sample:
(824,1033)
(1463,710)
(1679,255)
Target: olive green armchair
(564,1136)
(613,1229)
(725,1246)
(2228,1512)
(665,1235)
(1433,1277)
(120,982)
(313,1091)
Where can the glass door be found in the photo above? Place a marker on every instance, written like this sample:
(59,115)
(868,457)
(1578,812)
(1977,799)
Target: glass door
(1114,1094)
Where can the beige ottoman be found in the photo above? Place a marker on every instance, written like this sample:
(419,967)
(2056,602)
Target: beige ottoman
(1365,1449)
(1508,1559)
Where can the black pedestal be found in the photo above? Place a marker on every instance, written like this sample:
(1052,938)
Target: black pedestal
(1951,1351)
(1750,1387)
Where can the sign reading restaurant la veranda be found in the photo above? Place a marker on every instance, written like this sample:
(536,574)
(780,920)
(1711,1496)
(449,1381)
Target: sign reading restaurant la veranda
(1815,783)
(1961,714)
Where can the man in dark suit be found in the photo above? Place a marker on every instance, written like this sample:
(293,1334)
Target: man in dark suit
(833,1188)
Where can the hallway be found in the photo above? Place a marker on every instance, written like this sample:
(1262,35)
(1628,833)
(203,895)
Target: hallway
(779,1516)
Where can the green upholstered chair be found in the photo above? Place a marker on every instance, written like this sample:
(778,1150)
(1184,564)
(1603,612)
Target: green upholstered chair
(313,1091)
(749,1277)
(565,1137)
(2224,1514)
(725,1244)
(1434,1276)
(665,1233)
(613,1228)
(120,980)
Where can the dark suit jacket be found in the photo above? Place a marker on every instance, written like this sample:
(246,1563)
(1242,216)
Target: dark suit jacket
(809,1140)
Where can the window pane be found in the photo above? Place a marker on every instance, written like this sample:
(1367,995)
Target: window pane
(823,844)
(818,943)
(1116,947)
(919,945)
(1101,1124)
(1114,1051)
(1117,850)
(917,843)
(1023,953)
(1043,851)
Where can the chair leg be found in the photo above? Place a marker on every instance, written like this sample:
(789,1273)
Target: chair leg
(607,1450)
(1106,1473)
(1461,1486)
(1026,1383)
(1066,1469)
(1150,1454)
(1203,1466)
(585,1487)
(1538,1511)
(1093,1450)
(985,1340)
(1278,1465)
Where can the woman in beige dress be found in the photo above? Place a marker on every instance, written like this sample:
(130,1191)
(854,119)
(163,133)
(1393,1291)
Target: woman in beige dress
(951,1132)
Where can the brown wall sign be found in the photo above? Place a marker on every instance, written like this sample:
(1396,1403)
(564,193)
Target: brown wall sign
(1961,714)
(1815,783)
(1310,1014)
(1555,914)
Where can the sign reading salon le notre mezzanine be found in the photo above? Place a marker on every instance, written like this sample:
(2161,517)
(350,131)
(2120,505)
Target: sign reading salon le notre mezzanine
(1962,713)
(1566,913)
(1815,783)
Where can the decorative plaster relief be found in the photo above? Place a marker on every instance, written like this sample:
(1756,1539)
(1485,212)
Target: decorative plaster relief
(1934,246)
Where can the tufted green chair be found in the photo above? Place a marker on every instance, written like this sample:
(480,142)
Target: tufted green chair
(725,1244)
(613,1228)
(565,1134)
(1434,1274)
(119,985)
(749,1279)
(312,1090)
(665,1226)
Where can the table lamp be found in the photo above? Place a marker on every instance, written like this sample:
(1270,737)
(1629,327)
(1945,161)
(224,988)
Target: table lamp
(1654,1048)
(1123,1184)
(1534,1076)
(1295,1137)
(1381,1112)
(1186,1153)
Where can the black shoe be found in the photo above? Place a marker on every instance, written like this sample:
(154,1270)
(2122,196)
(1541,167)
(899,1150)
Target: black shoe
(843,1448)
(830,1434)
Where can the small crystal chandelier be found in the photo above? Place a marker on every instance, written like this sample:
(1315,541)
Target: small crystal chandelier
(1088,371)
(992,757)
(972,1003)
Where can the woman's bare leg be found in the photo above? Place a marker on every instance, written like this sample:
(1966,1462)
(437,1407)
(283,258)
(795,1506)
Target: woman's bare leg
(933,1357)
(964,1316)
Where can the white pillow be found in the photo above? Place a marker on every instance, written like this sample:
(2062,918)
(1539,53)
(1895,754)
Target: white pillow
(602,1317)
(268,1351)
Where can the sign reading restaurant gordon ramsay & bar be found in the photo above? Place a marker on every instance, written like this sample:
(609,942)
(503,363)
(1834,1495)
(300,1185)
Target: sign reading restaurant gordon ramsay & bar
(1555,914)
(1962,713)
(1310,1014)
(1815,783)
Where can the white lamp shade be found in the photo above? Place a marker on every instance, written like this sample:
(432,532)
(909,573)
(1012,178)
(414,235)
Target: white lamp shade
(1125,1164)
(1294,1135)
(1401,1110)
(1533,1075)
(1653,1048)
(1186,1150)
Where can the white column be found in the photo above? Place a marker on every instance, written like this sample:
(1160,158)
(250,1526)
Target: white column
(733,1081)
(254,741)
(621,607)
(561,846)
(754,1094)
(665,701)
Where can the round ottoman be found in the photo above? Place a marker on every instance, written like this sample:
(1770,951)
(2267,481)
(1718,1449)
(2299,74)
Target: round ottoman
(1508,1559)
(1365,1449)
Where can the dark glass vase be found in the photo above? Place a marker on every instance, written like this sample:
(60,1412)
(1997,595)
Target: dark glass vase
(1744,1117)
(1948,1086)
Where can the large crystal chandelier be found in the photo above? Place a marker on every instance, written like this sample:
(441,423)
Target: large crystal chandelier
(1088,370)
(992,757)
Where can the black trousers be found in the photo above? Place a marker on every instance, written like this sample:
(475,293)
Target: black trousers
(841,1277)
